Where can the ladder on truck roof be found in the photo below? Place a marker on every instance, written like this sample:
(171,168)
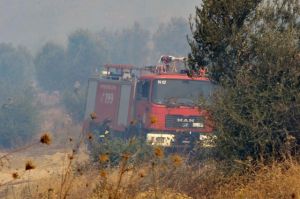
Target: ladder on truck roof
(166,65)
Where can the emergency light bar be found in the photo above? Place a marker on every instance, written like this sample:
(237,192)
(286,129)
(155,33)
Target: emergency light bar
(119,66)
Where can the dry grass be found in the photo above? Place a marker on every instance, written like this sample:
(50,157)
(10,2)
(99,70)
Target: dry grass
(162,176)
(279,180)
(276,181)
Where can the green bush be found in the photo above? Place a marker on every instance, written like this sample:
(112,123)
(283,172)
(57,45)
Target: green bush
(74,102)
(114,148)
(257,118)
(18,121)
(257,109)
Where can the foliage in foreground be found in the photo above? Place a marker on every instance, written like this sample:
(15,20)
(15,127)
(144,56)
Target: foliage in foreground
(116,146)
(158,176)
(257,108)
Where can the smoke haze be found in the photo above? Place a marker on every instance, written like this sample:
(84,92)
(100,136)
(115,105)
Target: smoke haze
(32,23)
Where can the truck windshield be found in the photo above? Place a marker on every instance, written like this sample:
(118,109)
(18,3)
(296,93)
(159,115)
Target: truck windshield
(181,92)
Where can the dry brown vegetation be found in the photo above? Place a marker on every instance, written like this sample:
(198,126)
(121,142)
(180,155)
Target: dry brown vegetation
(70,174)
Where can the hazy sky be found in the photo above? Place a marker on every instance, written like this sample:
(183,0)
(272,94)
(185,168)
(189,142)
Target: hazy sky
(33,22)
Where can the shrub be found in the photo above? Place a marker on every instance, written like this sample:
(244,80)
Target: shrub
(74,102)
(19,121)
(115,147)
(256,110)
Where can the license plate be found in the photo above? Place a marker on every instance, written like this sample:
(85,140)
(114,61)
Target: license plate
(198,125)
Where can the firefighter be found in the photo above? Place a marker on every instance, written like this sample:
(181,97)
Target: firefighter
(167,63)
(202,71)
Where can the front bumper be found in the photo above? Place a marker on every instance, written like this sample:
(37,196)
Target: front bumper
(167,139)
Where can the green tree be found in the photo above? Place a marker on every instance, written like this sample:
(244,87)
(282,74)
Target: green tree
(58,68)
(16,70)
(74,102)
(86,52)
(51,67)
(257,108)
(215,28)
(128,46)
(61,69)
(18,120)
(18,115)
(259,116)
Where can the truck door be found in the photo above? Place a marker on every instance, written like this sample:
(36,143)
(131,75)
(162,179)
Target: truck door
(142,100)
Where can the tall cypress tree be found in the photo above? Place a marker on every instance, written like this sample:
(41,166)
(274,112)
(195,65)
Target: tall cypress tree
(214,29)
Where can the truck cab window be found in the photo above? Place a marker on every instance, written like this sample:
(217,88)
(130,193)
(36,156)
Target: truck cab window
(143,89)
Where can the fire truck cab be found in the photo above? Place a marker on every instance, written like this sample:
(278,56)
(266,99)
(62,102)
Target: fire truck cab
(162,107)
(168,107)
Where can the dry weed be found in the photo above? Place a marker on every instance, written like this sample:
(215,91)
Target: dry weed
(162,177)
(46,139)
(29,165)
(281,180)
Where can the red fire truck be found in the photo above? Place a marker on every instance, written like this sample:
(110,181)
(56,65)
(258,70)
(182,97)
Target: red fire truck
(159,105)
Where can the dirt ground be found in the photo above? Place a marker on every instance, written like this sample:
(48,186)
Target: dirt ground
(49,161)
(46,162)
(50,164)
